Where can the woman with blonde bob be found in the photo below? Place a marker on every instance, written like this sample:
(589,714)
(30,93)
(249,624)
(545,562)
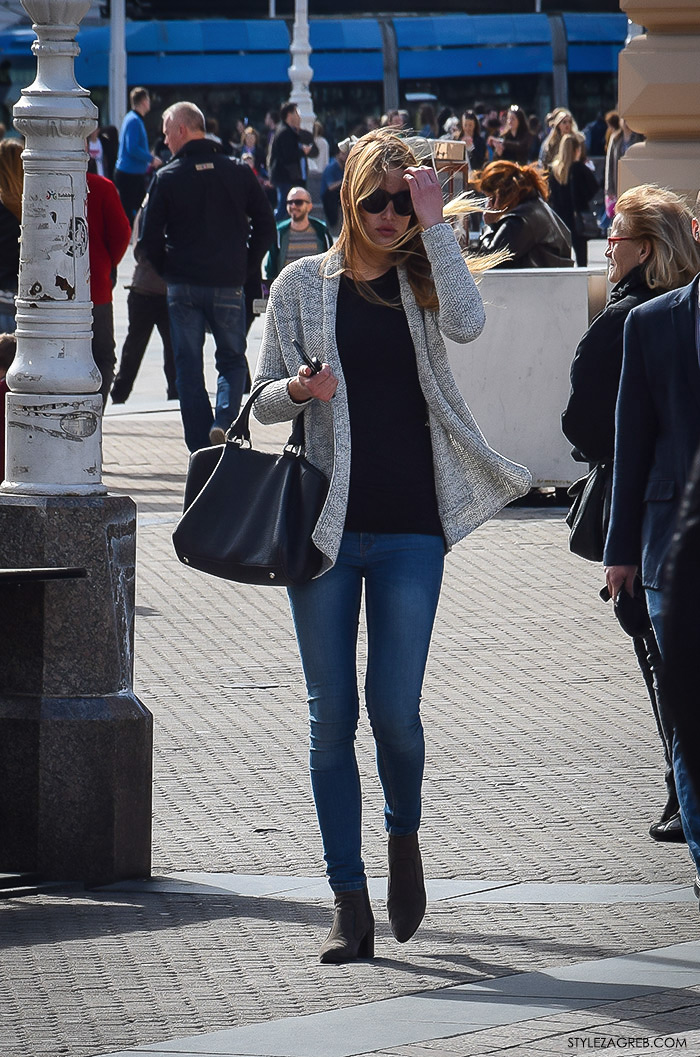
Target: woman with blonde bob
(651,250)
(11,180)
(410,475)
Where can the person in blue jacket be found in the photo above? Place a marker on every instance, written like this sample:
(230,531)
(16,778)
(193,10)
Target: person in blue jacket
(134,158)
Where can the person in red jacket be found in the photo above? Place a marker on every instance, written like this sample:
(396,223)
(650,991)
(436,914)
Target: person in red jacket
(8,348)
(109,232)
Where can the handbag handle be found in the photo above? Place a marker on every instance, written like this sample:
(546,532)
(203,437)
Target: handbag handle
(239,431)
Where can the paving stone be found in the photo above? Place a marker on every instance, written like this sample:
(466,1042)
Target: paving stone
(543,766)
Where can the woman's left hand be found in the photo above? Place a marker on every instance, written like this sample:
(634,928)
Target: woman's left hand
(426,194)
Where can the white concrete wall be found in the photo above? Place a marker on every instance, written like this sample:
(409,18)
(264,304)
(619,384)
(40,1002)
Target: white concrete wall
(515,376)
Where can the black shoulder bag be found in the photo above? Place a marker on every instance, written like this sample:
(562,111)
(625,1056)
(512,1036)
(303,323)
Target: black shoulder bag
(589,513)
(248,515)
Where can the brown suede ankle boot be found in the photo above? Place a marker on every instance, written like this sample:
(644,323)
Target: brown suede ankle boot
(406,900)
(352,932)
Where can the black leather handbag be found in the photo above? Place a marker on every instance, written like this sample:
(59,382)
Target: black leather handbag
(586,224)
(249,514)
(589,513)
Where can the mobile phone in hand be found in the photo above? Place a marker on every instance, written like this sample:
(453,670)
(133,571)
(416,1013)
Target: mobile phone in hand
(310,361)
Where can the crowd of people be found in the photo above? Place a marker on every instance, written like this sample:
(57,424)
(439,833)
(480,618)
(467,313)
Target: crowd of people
(530,218)
(216,224)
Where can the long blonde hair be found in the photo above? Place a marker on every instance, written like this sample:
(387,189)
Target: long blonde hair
(566,156)
(554,137)
(372,156)
(665,221)
(11,175)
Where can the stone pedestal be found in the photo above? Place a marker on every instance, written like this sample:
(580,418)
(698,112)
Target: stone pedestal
(75,743)
(659,95)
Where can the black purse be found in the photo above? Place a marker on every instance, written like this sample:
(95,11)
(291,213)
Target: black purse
(589,513)
(586,224)
(248,515)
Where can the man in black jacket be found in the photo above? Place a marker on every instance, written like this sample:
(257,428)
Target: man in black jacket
(289,147)
(206,229)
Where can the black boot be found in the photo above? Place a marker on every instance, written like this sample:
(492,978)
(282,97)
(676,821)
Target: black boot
(352,932)
(406,898)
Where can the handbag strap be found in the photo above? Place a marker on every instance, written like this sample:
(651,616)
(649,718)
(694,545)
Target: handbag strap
(239,430)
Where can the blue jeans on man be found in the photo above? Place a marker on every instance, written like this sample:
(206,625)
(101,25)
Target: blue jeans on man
(191,309)
(402,576)
(690,809)
(281,210)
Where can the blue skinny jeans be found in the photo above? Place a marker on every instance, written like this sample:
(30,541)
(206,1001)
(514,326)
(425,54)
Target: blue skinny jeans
(402,575)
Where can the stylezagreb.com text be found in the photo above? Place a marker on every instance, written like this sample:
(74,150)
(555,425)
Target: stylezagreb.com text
(624,1042)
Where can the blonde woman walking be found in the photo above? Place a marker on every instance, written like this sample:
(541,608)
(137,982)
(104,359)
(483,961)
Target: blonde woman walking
(410,475)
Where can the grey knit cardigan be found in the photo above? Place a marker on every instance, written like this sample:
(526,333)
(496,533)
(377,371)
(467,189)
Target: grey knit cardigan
(472,481)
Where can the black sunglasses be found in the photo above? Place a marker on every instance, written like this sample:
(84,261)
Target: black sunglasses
(298,202)
(379,200)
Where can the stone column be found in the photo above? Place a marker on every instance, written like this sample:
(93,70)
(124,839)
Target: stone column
(75,743)
(300,72)
(659,95)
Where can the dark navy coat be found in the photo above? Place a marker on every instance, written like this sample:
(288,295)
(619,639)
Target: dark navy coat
(657,430)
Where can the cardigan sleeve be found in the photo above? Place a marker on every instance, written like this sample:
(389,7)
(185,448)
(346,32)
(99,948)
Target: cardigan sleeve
(274,404)
(461,315)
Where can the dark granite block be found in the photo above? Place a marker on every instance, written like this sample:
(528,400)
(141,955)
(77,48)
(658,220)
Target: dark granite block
(82,640)
(75,744)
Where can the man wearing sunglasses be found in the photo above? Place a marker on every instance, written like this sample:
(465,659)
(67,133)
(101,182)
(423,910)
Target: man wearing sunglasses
(300,236)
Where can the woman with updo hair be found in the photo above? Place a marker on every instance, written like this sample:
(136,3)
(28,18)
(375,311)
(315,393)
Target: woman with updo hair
(518,218)
(651,250)
(410,475)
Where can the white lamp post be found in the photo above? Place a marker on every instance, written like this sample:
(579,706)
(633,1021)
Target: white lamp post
(117,62)
(53,407)
(300,72)
(80,742)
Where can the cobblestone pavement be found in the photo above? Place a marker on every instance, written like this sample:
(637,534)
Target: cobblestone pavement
(543,765)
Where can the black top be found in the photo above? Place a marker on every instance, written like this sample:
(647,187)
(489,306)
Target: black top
(285,156)
(515,148)
(574,196)
(589,419)
(392,483)
(207,221)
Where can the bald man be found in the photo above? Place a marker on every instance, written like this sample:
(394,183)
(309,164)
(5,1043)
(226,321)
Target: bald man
(206,228)
(300,236)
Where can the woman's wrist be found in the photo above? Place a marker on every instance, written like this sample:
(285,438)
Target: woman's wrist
(297,393)
(428,224)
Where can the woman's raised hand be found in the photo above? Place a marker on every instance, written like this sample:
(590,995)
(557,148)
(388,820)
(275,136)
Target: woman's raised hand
(426,194)
(306,385)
